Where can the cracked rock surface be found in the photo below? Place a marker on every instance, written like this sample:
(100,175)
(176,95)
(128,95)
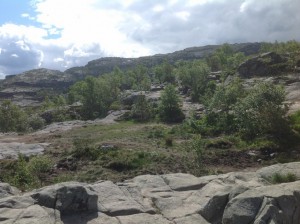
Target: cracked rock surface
(238,197)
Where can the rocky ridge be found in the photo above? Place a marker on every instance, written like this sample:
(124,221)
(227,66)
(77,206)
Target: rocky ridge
(29,88)
(238,197)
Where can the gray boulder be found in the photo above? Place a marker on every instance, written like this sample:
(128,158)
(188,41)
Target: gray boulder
(263,65)
(238,197)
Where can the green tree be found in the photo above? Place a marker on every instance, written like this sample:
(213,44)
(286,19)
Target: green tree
(195,77)
(12,117)
(169,108)
(39,167)
(141,109)
(262,112)
(220,117)
(164,72)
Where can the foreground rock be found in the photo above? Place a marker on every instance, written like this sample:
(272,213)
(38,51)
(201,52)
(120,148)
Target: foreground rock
(241,197)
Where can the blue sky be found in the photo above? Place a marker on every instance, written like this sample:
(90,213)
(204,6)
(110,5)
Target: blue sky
(59,34)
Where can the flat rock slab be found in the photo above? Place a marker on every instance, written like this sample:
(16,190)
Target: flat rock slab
(13,149)
(237,197)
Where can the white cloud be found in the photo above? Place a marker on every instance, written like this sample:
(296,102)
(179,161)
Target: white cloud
(73,32)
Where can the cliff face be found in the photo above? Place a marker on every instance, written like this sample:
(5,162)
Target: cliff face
(235,198)
(28,88)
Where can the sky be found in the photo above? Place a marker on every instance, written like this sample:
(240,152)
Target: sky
(59,34)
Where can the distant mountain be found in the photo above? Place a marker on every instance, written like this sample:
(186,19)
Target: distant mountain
(29,88)
(105,65)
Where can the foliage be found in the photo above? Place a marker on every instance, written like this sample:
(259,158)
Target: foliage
(225,59)
(258,112)
(194,76)
(290,48)
(198,146)
(83,149)
(156,132)
(35,122)
(169,141)
(22,177)
(169,108)
(96,95)
(39,167)
(141,110)
(220,116)
(12,117)
(164,73)
(278,178)
(261,112)
(29,173)
(295,121)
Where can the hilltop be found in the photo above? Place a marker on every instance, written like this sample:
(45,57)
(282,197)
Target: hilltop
(29,88)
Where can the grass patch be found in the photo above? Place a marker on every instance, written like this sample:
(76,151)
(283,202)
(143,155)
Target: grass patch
(278,178)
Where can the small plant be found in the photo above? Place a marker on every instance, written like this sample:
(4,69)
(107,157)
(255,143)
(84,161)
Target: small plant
(36,122)
(84,150)
(169,141)
(198,146)
(39,167)
(156,132)
(278,178)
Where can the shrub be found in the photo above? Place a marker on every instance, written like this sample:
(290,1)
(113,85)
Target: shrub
(22,178)
(84,150)
(169,108)
(141,109)
(198,146)
(295,120)
(156,132)
(168,141)
(262,112)
(12,118)
(40,166)
(278,178)
(35,122)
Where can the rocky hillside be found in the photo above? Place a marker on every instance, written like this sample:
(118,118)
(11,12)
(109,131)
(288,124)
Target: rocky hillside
(28,88)
(104,65)
(233,198)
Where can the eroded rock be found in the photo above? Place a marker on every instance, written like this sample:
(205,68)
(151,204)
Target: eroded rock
(238,197)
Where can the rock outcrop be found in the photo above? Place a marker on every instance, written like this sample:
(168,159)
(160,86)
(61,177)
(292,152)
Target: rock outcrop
(240,197)
(263,65)
(29,88)
(13,149)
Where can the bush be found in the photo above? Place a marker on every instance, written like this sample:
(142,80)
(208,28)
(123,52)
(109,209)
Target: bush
(22,177)
(39,167)
(262,112)
(168,141)
(12,118)
(169,108)
(141,110)
(198,146)
(35,122)
(84,150)
(295,120)
(278,178)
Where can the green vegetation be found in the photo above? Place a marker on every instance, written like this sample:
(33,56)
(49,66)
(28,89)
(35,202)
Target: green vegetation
(278,178)
(238,124)
(169,108)
(12,118)
(28,173)
(142,110)
(290,48)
